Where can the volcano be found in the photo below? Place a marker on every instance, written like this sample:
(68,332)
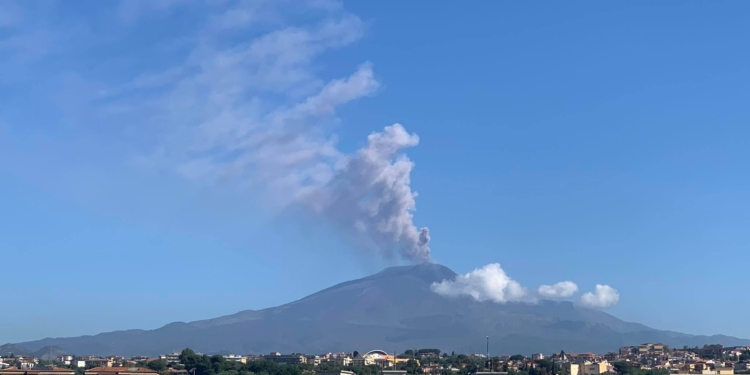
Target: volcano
(390,310)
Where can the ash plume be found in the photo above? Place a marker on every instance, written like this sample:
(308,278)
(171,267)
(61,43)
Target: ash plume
(371,196)
(254,113)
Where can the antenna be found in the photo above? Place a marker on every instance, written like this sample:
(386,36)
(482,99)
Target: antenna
(489,360)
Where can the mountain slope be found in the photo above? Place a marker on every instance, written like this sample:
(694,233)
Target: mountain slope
(391,310)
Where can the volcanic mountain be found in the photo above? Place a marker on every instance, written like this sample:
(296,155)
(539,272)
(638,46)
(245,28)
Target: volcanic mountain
(391,310)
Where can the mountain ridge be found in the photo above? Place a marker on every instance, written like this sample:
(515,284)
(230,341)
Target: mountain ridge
(395,309)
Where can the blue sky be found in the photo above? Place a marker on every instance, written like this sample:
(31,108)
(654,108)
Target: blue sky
(602,143)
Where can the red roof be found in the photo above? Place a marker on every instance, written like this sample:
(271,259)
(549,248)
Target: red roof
(36,371)
(120,370)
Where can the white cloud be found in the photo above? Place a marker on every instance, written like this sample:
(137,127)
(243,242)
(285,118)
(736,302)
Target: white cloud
(559,290)
(489,283)
(603,296)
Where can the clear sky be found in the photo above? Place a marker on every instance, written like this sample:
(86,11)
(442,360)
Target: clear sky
(597,142)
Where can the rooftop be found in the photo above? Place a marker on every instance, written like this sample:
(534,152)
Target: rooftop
(120,370)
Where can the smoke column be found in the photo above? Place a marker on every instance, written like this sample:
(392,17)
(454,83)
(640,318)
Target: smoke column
(372,197)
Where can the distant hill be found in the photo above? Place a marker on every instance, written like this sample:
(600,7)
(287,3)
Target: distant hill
(9,349)
(391,310)
(46,353)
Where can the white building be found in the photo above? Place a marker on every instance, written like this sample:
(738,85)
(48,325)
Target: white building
(234,358)
(170,358)
(65,359)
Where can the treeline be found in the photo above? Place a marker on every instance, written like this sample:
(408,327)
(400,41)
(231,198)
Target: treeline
(201,364)
(626,368)
(420,352)
(542,367)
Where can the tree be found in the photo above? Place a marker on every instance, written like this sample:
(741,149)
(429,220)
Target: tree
(157,365)
(623,368)
(355,354)
(189,359)
(517,357)
(411,367)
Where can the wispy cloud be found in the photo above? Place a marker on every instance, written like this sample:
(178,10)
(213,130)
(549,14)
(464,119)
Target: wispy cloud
(255,113)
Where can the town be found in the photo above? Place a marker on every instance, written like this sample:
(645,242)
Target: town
(643,359)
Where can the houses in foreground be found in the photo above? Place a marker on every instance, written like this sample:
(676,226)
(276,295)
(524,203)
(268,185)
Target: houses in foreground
(709,360)
(103,370)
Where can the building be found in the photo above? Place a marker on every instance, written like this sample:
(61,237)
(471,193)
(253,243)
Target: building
(235,358)
(584,357)
(594,368)
(361,361)
(537,356)
(342,372)
(65,359)
(170,358)
(119,371)
(342,361)
(42,370)
(289,359)
(571,368)
(378,357)
(99,362)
